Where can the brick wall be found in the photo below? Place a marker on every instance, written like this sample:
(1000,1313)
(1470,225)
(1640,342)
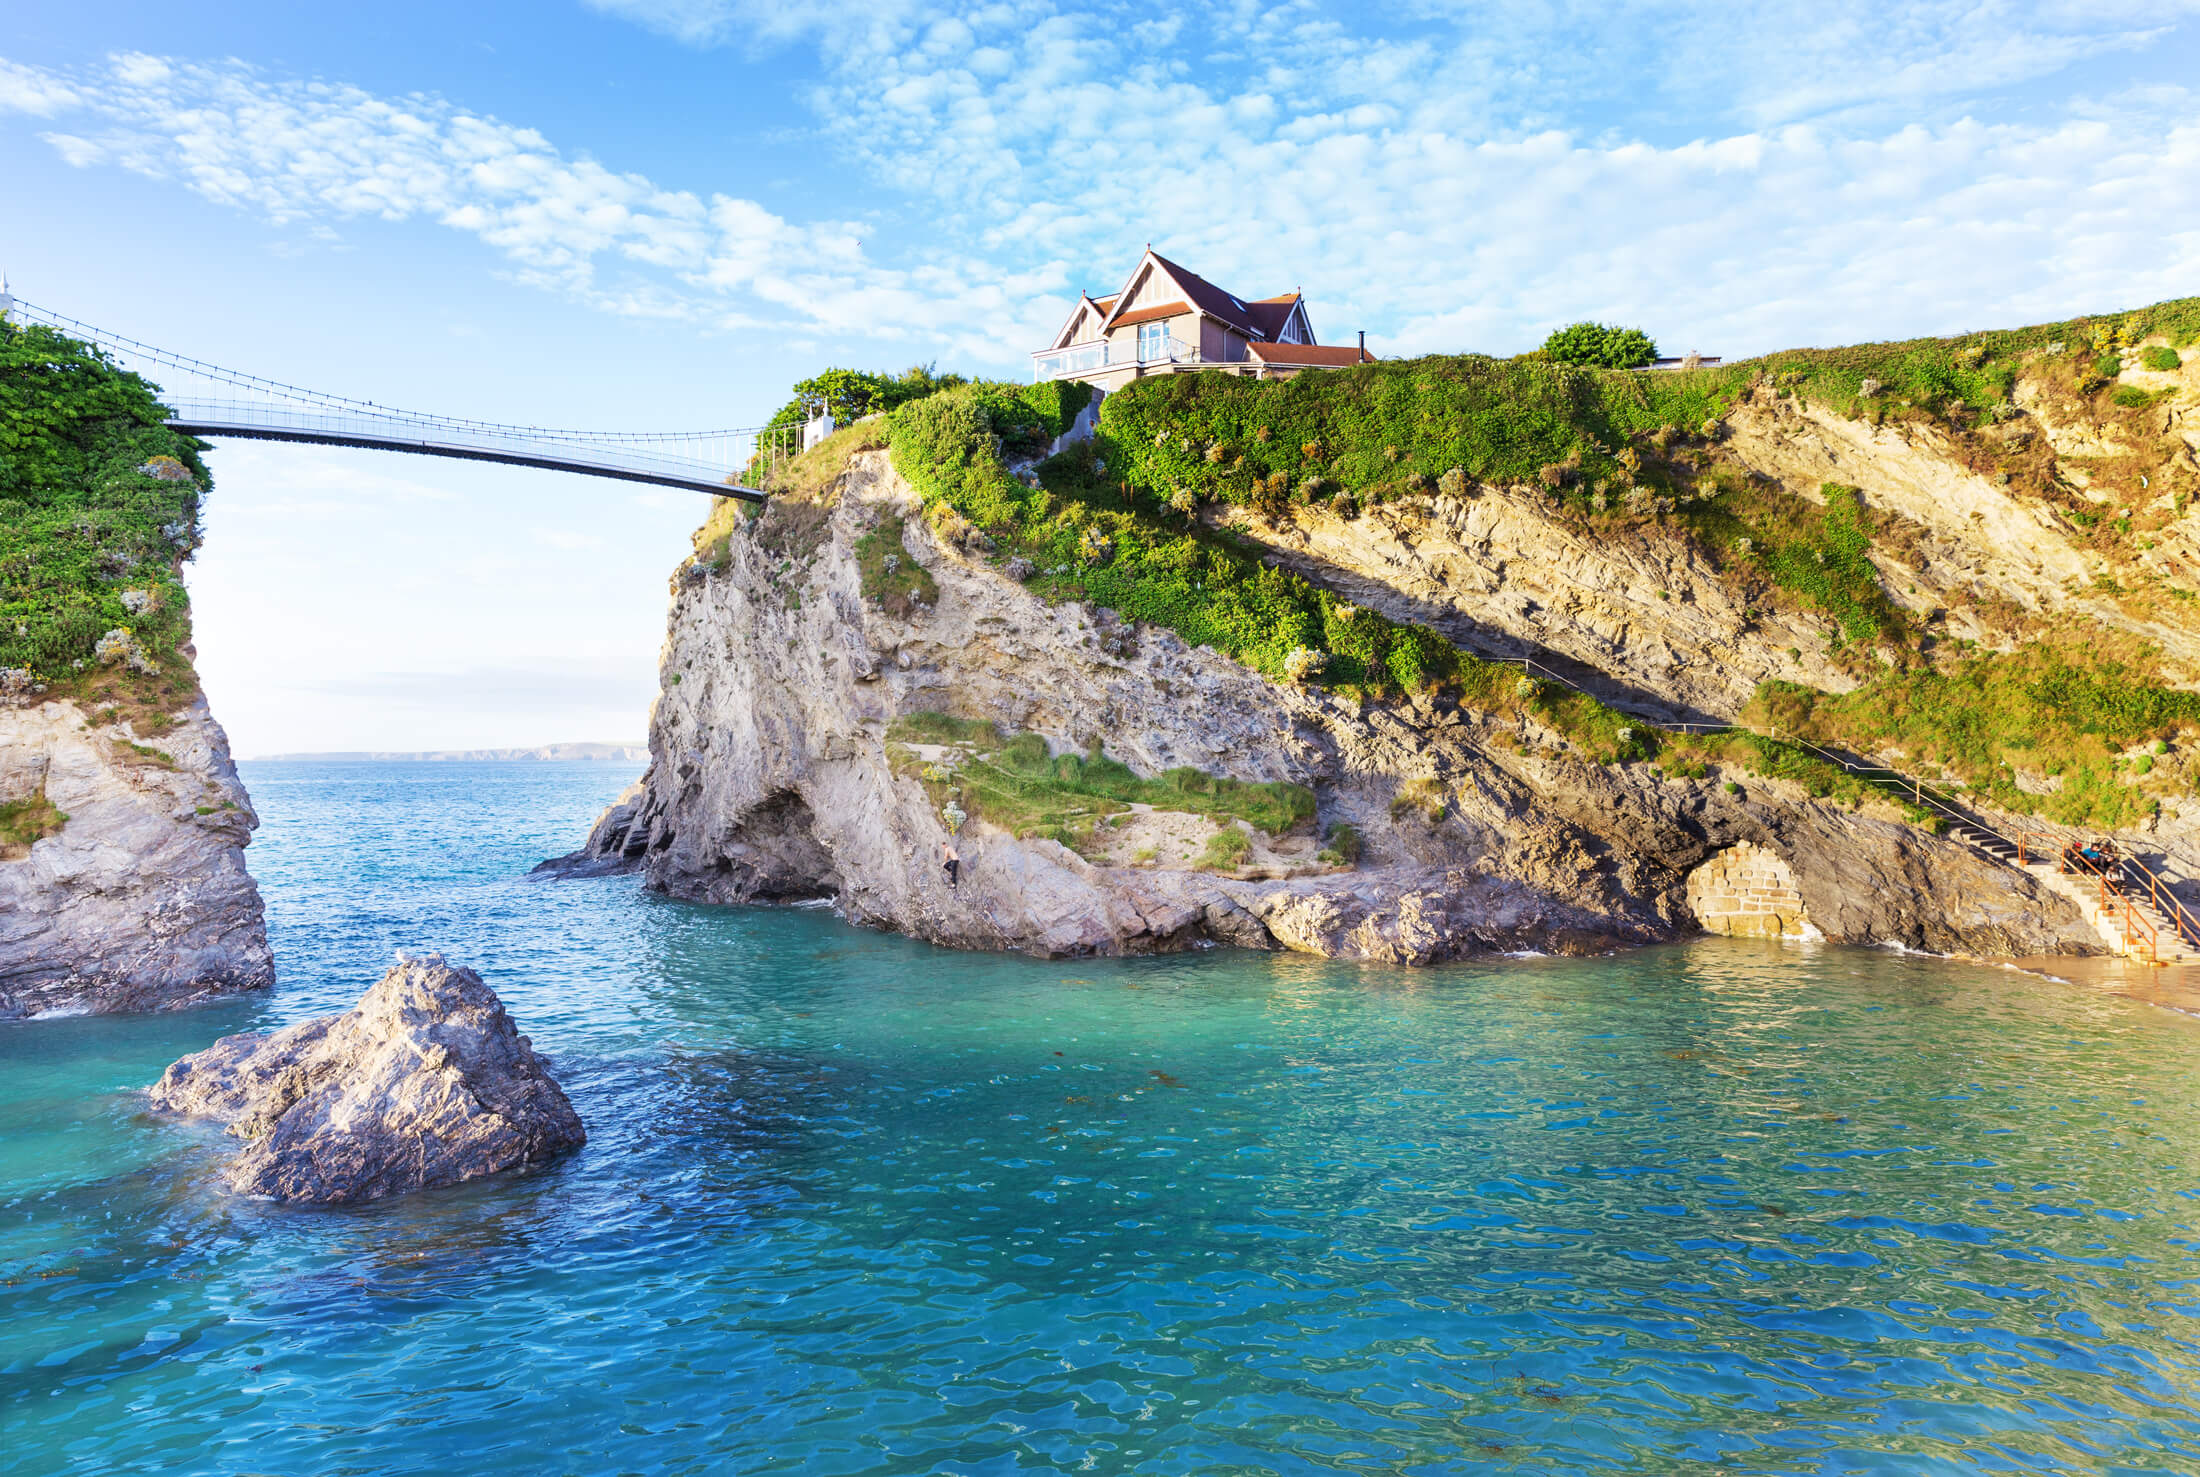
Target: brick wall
(1748,891)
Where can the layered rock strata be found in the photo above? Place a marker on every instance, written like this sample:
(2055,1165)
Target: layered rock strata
(425,1082)
(140,899)
(773,776)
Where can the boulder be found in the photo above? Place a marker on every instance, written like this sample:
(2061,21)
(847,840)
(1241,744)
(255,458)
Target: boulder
(425,1082)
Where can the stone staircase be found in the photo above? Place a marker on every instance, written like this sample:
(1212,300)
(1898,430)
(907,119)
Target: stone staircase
(2129,906)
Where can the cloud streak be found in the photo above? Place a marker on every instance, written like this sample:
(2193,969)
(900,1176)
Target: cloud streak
(297,152)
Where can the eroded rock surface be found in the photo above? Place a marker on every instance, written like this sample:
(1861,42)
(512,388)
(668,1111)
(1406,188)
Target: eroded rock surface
(425,1082)
(141,900)
(773,778)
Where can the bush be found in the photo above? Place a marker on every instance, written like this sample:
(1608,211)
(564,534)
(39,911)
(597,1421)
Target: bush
(99,507)
(2160,360)
(2108,366)
(853,393)
(1599,345)
(1422,797)
(1342,846)
(1225,850)
(2131,397)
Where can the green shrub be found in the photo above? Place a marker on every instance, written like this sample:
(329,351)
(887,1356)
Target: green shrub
(853,393)
(2160,360)
(2131,397)
(890,574)
(2062,706)
(1225,850)
(1342,846)
(1599,345)
(93,510)
(2108,366)
(1423,797)
(27,820)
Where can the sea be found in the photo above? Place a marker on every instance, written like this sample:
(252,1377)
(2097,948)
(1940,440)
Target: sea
(854,1205)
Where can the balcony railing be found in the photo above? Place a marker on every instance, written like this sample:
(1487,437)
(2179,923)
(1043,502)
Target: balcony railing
(1054,364)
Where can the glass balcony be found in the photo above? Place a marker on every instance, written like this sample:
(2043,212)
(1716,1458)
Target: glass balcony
(1054,364)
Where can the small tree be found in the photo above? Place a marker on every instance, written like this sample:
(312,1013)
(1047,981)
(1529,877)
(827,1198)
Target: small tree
(1595,343)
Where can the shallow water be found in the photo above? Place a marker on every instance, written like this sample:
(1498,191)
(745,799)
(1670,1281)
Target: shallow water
(851,1204)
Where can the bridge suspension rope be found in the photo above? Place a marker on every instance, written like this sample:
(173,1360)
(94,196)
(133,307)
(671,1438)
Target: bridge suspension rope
(705,460)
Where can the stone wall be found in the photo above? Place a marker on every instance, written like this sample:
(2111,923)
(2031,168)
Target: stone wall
(1748,891)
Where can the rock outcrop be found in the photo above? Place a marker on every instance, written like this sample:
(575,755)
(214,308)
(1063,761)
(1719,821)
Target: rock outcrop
(774,777)
(136,896)
(425,1082)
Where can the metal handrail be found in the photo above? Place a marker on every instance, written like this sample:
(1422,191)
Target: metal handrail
(2142,878)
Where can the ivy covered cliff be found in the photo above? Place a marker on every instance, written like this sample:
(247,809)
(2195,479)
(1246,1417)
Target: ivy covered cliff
(122,821)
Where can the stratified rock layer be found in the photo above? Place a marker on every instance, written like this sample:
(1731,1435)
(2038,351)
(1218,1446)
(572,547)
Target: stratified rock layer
(141,901)
(773,777)
(425,1082)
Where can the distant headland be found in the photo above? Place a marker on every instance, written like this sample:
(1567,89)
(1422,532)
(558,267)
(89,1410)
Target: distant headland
(627,752)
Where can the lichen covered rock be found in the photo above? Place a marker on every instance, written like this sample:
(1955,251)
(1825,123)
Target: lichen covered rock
(425,1082)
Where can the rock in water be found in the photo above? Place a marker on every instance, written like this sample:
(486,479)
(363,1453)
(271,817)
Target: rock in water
(426,1081)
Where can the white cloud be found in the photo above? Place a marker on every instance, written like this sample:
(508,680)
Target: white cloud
(303,153)
(29,90)
(1732,180)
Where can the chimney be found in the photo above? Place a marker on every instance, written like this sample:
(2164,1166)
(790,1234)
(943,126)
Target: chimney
(1363,343)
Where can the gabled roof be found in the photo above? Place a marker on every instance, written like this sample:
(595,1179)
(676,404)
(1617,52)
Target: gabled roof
(1207,297)
(1069,325)
(1269,314)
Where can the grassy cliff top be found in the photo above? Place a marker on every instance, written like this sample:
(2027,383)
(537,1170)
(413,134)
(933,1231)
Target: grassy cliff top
(99,506)
(1401,425)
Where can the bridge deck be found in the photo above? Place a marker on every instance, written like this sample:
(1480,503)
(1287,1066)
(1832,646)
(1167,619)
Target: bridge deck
(624,468)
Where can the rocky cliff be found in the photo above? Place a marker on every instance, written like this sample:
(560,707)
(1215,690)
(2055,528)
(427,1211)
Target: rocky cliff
(122,822)
(136,897)
(841,675)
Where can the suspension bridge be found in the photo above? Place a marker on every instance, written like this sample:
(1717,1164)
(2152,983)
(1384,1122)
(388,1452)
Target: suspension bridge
(207,400)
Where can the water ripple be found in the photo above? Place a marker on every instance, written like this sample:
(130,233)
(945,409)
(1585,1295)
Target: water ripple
(852,1205)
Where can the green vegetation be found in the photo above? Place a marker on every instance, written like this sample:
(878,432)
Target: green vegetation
(2131,397)
(1016,784)
(2064,708)
(1116,523)
(859,392)
(1342,845)
(1226,850)
(1821,556)
(890,577)
(1422,797)
(1091,539)
(26,820)
(99,504)
(2160,360)
(1594,343)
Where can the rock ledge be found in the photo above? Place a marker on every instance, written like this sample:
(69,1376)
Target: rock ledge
(425,1082)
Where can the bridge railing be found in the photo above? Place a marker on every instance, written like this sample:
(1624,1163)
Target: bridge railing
(652,459)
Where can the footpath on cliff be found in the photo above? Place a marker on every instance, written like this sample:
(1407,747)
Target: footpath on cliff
(1239,669)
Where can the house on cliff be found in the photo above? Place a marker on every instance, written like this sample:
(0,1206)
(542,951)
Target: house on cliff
(1167,320)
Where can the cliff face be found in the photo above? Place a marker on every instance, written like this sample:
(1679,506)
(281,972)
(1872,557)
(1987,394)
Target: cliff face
(122,824)
(784,765)
(140,899)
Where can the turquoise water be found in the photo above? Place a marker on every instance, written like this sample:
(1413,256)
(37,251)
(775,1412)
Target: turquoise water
(853,1205)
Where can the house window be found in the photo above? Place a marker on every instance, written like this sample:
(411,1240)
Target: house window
(1153,342)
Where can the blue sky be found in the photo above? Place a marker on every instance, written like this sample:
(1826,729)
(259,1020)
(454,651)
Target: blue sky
(657,213)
